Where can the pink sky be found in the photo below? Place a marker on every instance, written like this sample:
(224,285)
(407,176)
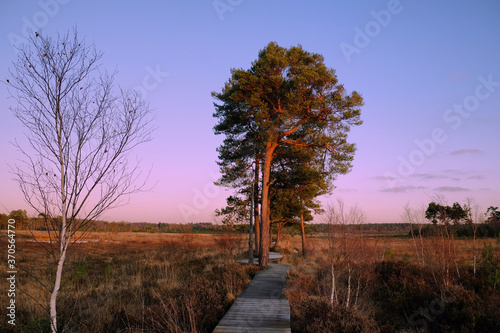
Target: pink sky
(429,75)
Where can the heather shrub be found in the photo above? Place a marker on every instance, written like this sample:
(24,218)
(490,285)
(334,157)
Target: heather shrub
(315,314)
(399,296)
(308,290)
(409,297)
(180,286)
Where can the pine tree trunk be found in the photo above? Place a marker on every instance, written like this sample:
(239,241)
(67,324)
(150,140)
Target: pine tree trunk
(304,252)
(266,226)
(256,206)
(278,234)
(250,231)
(270,236)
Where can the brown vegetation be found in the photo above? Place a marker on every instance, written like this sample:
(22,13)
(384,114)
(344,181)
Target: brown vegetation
(132,282)
(159,282)
(397,292)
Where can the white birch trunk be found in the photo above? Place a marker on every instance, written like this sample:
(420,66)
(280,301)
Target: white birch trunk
(348,286)
(333,294)
(55,291)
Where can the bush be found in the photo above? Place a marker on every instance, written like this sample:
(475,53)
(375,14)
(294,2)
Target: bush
(463,230)
(169,287)
(400,289)
(407,296)
(315,314)
(402,297)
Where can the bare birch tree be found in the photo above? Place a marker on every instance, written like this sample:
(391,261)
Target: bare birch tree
(416,219)
(474,218)
(79,136)
(345,250)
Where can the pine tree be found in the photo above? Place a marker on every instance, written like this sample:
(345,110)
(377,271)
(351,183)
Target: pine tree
(287,97)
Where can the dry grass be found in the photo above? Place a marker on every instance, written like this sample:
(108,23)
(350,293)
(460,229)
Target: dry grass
(132,282)
(395,247)
(391,290)
(145,282)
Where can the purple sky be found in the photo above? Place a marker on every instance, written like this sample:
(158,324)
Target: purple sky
(429,73)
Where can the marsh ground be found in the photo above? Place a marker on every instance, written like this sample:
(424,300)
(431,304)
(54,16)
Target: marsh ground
(159,282)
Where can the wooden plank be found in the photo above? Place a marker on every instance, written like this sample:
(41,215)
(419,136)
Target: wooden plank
(273,256)
(262,307)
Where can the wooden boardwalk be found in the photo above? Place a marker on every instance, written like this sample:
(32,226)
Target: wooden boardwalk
(273,256)
(262,306)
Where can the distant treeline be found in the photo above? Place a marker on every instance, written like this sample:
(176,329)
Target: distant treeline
(23,222)
(468,230)
(198,228)
(37,223)
(367,228)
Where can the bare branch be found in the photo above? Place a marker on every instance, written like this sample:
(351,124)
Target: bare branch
(80,134)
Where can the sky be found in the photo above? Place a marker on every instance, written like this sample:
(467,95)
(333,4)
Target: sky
(429,73)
